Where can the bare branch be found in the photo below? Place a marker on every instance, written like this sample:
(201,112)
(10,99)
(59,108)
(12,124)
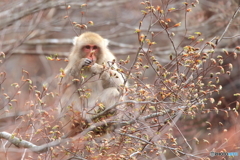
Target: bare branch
(43,5)
(33,9)
(229,23)
(16,141)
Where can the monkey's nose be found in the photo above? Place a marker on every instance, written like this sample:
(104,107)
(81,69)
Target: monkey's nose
(91,53)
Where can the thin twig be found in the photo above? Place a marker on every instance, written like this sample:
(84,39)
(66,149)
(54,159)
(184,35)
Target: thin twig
(228,25)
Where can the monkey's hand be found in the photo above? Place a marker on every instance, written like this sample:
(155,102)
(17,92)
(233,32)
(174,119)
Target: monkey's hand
(87,62)
(74,68)
(96,68)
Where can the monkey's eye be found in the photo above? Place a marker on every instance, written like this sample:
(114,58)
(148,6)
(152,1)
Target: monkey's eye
(95,47)
(88,47)
(91,47)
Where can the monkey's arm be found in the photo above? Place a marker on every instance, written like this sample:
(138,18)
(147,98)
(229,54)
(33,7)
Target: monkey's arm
(74,66)
(109,77)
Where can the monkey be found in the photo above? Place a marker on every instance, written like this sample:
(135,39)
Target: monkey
(90,81)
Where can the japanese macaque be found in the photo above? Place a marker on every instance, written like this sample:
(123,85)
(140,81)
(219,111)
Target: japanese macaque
(91,82)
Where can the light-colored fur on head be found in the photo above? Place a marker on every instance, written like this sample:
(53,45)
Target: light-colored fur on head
(106,42)
(91,38)
(75,40)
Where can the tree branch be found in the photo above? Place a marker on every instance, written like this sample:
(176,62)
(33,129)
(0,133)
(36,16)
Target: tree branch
(229,23)
(109,123)
(16,141)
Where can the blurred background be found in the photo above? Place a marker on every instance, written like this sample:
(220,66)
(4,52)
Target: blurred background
(31,30)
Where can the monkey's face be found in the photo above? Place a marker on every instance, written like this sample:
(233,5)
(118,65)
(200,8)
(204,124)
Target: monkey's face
(91,52)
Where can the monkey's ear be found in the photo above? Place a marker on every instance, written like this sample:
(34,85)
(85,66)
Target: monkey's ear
(106,42)
(74,41)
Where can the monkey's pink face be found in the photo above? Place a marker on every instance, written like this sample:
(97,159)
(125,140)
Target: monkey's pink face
(91,52)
